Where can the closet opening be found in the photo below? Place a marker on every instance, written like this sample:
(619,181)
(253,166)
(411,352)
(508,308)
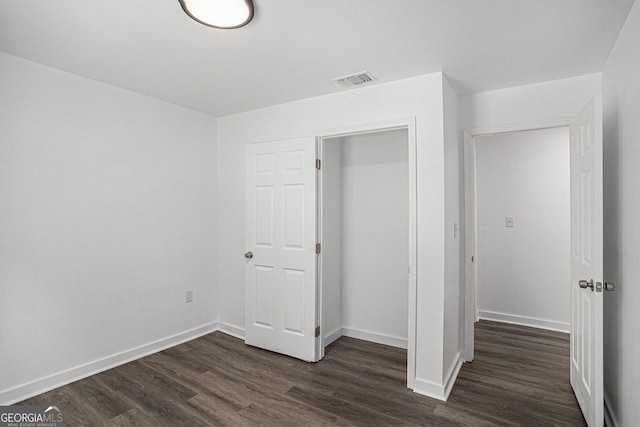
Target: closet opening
(366,226)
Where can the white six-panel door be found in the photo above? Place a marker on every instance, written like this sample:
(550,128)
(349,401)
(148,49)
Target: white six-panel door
(586,262)
(281,197)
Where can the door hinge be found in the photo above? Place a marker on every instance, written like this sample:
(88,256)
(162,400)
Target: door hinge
(318,164)
(317,331)
(472,258)
(318,248)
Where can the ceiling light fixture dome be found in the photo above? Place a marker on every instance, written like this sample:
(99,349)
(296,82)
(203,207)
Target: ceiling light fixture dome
(225,14)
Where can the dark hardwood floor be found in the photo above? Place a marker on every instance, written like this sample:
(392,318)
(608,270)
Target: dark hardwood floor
(520,376)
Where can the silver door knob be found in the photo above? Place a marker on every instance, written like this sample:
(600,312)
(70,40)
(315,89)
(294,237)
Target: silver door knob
(584,284)
(248,255)
(608,286)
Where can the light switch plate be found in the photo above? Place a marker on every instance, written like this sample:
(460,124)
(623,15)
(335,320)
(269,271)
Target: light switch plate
(508,221)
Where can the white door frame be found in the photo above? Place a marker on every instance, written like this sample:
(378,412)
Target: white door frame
(470,273)
(410,125)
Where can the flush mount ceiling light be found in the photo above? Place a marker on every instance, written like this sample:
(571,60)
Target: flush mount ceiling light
(219,13)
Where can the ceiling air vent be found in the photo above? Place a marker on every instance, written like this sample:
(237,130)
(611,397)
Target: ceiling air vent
(355,79)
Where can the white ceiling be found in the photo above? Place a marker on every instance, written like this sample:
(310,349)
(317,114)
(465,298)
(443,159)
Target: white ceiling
(293,48)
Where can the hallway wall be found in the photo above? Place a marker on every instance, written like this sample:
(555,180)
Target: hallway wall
(523,272)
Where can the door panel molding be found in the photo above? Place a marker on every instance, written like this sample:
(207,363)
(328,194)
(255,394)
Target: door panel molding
(586,361)
(281,286)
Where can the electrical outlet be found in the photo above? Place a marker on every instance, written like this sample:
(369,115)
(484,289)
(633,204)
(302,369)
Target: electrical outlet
(189,296)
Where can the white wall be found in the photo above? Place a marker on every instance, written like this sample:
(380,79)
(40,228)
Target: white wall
(332,239)
(539,103)
(107,217)
(419,97)
(523,272)
(622,224)
(375,236)
(454,244)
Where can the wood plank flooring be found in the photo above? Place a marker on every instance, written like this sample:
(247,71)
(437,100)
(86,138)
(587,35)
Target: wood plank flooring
(520,377)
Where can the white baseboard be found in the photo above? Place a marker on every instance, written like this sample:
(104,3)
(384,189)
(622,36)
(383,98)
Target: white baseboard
(439,391)
(610,419)
(533,322)
(42,385)
(452,375)
(375,337)
(429,389)
(238,332)
(233,330)
(27,390)
(332,336)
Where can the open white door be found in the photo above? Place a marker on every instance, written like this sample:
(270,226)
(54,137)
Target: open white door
(586,262)
(281,313)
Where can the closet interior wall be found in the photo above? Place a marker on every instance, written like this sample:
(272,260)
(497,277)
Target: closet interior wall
(365,226)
